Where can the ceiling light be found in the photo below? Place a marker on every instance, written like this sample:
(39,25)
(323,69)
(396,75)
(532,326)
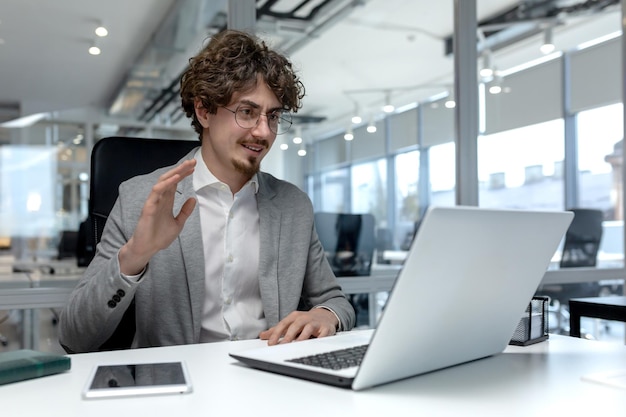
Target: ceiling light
(101,31)
(356,118)
(548,45)
(450,103)
(495,86)
(297,139)
(388,107)
(302,150)
(349,134)
(94,50)
(284,146)
(486,71)
(371,127)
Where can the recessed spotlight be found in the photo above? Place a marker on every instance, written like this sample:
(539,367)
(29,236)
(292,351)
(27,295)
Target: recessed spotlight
(101,31)
(94,50)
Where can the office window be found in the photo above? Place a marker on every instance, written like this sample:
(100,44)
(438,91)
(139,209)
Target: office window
(407,196)
(334,189)
(442,174)
(27,197)
(369,190)
(600,133)
(522,168)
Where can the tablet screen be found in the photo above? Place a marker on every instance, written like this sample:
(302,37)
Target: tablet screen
(137,379)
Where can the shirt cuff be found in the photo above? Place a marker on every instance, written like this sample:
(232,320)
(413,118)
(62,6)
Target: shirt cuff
(131,279)
(339,326)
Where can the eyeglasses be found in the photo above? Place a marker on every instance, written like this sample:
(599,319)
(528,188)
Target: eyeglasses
(247,117)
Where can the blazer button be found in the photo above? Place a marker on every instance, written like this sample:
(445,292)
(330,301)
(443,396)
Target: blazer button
(116,298)
(111,304)
(121,293)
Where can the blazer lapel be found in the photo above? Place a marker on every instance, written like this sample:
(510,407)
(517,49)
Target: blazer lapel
(269,232)
(190,240)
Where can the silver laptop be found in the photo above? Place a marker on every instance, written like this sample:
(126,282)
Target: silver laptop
(468,277)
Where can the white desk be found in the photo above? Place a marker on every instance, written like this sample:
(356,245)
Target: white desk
(539,380)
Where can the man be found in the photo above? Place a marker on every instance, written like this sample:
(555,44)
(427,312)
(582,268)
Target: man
(213,249)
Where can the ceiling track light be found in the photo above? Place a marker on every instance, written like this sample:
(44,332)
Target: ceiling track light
(486,71)
(449,102)
(388,107)
(371,127)
(297,139)
(495,87)
(349,135)
(356,117)
(548,44)
(302,150)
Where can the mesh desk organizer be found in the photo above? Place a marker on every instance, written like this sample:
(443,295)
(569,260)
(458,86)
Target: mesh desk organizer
(533,327)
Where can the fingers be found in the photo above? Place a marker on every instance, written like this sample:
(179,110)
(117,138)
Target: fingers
(299,325)
(165,187)
(175,175)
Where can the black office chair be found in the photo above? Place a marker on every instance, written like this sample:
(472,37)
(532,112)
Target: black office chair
(68,244)
(114,160)
(349,242)
(580,249)
(582,239)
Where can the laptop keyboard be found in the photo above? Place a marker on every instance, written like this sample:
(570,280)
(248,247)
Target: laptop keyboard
(336,359)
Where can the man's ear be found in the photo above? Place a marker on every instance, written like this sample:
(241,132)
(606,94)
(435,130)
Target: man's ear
(201,113)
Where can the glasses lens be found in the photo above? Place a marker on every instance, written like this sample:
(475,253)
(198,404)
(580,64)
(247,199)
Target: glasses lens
(246,117)
(282,123)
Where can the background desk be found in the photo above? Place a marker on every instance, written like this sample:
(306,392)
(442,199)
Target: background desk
(607,308)
(31,291)
(539,380)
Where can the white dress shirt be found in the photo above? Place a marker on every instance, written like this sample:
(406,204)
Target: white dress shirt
(230,236)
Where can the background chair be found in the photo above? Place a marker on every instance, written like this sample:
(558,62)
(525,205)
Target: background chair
(582,239)
(580,249)
(349,242)
(114,160)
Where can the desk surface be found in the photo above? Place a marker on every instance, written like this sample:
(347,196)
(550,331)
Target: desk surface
(539,380)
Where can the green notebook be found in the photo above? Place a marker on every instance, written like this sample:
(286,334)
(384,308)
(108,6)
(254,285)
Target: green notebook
(23,364)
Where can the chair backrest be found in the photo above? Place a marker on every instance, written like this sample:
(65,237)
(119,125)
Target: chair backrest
(68,244)
(114,160)
(582,239)
(348,240)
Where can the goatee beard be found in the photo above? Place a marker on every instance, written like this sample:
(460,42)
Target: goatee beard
(248,169)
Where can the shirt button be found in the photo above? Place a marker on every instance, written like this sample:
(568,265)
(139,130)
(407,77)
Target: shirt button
(230,258)
(228,300)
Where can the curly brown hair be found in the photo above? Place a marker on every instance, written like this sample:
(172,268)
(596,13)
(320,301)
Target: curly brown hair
(230,63)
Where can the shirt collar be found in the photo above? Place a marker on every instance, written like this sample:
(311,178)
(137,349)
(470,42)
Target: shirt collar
(203,177)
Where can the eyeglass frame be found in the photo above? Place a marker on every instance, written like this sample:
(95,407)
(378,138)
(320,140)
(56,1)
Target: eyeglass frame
(281,118)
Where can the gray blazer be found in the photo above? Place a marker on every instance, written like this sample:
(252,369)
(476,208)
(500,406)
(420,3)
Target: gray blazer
(293,271)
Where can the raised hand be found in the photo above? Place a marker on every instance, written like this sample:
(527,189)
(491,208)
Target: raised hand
(157,226)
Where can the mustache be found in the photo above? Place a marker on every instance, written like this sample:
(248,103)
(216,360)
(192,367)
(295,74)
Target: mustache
(261,142)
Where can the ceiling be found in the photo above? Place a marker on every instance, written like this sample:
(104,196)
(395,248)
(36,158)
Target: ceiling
(348,52)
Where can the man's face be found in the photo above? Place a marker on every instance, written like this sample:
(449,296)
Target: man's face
(235,151)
